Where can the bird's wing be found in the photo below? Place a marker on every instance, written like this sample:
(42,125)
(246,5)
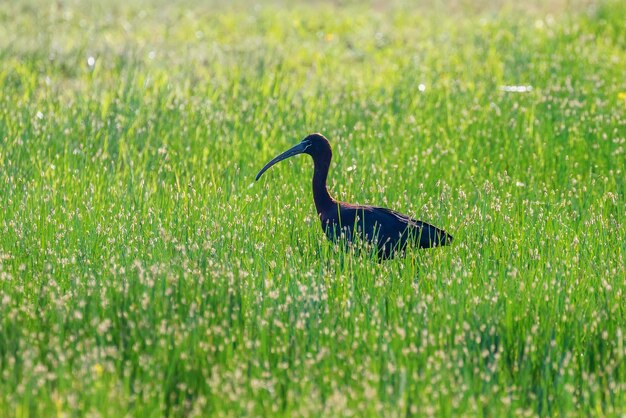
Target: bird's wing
(428,235)
(399,216)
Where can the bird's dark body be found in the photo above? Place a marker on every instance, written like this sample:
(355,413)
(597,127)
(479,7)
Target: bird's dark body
(389,231)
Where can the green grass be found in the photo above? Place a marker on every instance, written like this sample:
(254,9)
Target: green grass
(143,272)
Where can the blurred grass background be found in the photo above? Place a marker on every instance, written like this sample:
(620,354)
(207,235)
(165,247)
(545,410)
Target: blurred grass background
(143,273)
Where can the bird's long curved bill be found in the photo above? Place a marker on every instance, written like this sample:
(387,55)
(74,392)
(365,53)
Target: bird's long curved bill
(298,149)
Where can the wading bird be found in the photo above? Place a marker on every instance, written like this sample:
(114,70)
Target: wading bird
(387,230)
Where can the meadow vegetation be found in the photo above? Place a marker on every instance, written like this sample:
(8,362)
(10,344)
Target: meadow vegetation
(143,272)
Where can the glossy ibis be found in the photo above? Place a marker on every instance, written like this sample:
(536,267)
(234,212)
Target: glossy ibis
(390,231)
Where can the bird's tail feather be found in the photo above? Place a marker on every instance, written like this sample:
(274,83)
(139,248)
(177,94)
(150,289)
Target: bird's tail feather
(428,236)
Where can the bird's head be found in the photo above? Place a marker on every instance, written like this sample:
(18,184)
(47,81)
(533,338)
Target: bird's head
(316,145)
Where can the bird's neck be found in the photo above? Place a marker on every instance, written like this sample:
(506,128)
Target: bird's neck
(323,200)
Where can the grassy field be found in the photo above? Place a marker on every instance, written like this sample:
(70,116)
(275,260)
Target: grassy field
(143,272)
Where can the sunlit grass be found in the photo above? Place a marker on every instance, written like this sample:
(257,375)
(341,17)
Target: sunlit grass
(142,271)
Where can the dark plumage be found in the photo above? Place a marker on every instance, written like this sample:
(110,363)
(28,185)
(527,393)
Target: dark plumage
(388,230)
